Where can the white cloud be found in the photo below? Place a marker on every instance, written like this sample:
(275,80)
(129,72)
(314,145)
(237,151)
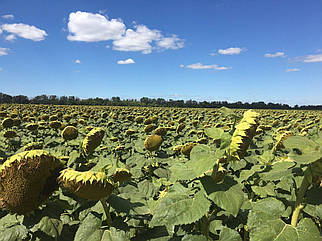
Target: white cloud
(0,69)
(77,61)
(10,37)
(201,66)
(171,42)
(230,51)
(277,54)
(102,11)
(90,27)
(3,51)
(139,39)
(107,46)
(8,16)
(292,70)
(314,58)
(25,31)
(181,65)
(128,61)
(212,54)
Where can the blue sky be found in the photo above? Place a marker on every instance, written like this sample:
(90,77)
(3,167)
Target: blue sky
(230,50)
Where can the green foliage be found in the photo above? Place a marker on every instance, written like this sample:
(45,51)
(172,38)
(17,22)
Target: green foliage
(267,193)
(227,195)
(180,208)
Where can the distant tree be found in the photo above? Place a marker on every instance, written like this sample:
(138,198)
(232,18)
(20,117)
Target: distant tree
(20,99)
(145,101)
(4,98)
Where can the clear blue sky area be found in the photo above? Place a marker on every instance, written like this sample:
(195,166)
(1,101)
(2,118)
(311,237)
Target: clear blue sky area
(245,50)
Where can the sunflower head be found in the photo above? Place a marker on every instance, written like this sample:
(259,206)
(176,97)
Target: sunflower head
(153,142)
(27,179)
(88,185)
(92,140)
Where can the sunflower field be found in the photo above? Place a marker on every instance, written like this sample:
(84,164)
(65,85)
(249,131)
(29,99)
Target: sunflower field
(99,173)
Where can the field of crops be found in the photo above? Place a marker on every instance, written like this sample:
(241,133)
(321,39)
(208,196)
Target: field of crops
(124,173)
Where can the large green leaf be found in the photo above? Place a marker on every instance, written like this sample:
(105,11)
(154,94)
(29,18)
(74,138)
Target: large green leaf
(310,150)
(89,229)
(14,233)
(302,143)
(264,191)
(201,160)
(8,221)
(190,237)
(215,133)
(180,171)
(115,235)
(313,210)
(50,226)
(147,189)
(180,208)
(307,230)
(265,224)
(245,174)
(229,234)
(227,195)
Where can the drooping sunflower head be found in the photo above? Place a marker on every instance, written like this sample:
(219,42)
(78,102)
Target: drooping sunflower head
(69,133)
(9,134)
(280,139)
(55,124)
(153,142)
(161,131)
(92,140)
(121,175)
(243,134)
(88,185)
(33,146)
(186,149)
(180,127)
(7,123)
(27,179)
(32,127)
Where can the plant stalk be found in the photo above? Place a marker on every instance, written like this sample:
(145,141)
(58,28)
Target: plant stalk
(299,199)
(107,211)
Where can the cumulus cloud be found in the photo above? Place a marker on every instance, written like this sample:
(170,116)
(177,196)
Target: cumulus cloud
(181,65)
(8,16)
(25,31)
(3,51)
(90,27)
(277,54)
(230,51)
(128,61)
(171,42)
(10,37)
(201,66)
(292,70)
(77,61)
(313,58)
(139,39)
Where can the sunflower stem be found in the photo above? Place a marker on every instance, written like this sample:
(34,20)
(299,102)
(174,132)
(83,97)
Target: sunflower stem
(107,211)
(299,199)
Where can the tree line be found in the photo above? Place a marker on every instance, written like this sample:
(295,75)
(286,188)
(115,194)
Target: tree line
(145,101)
